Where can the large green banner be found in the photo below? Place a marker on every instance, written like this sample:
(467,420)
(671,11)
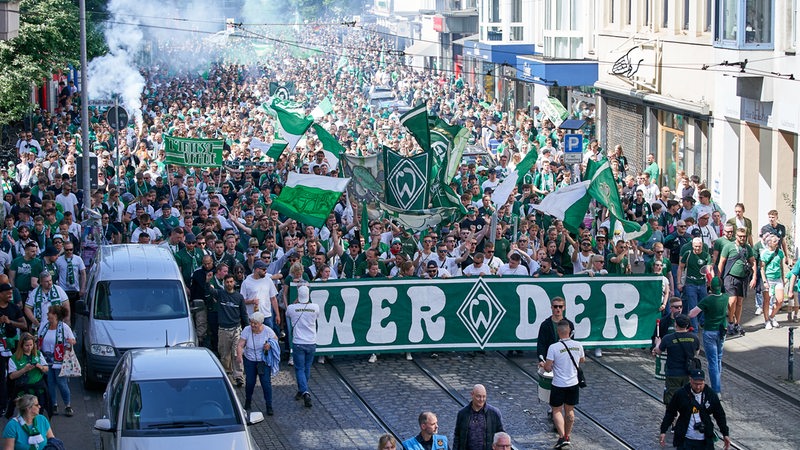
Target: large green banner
(395,315)
(193,152)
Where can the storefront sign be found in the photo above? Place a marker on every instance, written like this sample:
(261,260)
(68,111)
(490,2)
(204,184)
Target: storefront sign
(394,315)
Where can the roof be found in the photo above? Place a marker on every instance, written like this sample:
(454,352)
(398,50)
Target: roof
(137,261)
(174,363)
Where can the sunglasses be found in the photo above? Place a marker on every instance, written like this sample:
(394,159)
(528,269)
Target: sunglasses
(558,306)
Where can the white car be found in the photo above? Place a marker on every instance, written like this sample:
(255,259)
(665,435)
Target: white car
(169,398)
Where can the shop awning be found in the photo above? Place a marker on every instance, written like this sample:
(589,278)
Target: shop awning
(423,48)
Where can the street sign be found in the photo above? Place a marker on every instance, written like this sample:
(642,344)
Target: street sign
(107,102)
(573,148)
(117,118)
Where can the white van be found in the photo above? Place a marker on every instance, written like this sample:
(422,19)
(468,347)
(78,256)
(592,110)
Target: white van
(136,298)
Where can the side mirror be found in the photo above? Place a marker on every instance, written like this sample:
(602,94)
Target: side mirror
(105,424)
(80,308)
(252,418)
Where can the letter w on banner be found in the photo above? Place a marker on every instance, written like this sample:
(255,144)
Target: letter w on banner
(406,180)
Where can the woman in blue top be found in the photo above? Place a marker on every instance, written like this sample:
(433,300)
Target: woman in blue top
(29,430)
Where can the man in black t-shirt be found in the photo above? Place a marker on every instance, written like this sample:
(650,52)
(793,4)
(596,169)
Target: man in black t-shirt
(773,227)
(11,321)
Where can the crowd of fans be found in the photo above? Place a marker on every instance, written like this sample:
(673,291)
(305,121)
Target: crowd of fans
(219,220)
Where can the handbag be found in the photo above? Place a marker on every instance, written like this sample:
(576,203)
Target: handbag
(581,377)
(70,367)
(261,366)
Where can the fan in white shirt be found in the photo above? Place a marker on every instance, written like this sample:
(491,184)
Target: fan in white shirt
(513,267)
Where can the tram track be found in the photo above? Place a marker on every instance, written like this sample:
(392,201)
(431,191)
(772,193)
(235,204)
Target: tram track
(596,421)
(735,445)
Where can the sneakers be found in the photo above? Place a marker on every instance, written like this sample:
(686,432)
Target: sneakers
(434,355)
(247,406)
(298,396)
(759,311)
(372,358)
(270,412)
(69,411)
(768,325)
(598,352)
(307,400)
(55,410)
(775,323)
(321,360)
(409,357)
(239,382)
(291,360)
(562,443)
(731,330)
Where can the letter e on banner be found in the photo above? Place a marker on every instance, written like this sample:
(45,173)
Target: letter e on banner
(426,303)
(571,293)
(621,299)
(341,325)
(530,293)
(377,333)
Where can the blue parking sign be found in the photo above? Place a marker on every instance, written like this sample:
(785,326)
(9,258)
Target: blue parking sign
(573,148)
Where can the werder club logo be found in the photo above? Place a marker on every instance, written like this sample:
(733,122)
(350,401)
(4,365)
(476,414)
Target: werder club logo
(407,183)
(481,312)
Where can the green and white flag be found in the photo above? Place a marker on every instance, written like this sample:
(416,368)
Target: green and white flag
(309,199)
(367,175)
(193,152)
(406,180)
(324,108)
(330,146)
(281,89)
(506,187)
(420,219)
(274,150)
(291,126)
(416,122)
(569,204)
(603,189)
(447,144)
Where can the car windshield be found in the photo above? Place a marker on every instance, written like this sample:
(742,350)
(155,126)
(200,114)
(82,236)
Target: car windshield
(140,300)
(157,405)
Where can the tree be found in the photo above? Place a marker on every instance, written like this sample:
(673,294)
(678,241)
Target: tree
(48,41)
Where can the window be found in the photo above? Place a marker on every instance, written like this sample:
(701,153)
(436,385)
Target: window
(134,300)
(665,14)
(709,15)
(629,12)
(753,16)
(516,11)
(647,13)
(494,11)
(686,8)
(517,33)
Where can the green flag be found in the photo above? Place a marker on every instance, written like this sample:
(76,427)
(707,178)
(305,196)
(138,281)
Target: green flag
(193,152)
(330,146)
(527,162)
(309,199)
(406,179)
(416,122)
(364,221)
(367,175)
(603,189)
(290,126)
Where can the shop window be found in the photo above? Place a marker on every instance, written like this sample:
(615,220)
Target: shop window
(745,24)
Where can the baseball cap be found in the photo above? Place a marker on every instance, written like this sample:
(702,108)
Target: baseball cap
(396,241)
(189,238)
(260,265)
(302,294)
(697,233)
(50,251)
(697,374)
(432,264)
(6,287)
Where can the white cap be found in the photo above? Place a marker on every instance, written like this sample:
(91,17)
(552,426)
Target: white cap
(302,294)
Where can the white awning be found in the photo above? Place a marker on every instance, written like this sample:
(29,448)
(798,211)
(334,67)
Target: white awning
(423,48)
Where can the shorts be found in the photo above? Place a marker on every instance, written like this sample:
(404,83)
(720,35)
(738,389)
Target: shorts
(775,286)
(734,286)
(564,395)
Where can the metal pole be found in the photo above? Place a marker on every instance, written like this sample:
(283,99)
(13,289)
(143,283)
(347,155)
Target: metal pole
(791,353)
(85,160)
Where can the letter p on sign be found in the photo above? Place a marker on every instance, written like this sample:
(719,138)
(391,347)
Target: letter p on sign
(573,148)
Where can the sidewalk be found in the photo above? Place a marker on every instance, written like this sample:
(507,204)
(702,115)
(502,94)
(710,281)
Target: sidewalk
(762,353)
